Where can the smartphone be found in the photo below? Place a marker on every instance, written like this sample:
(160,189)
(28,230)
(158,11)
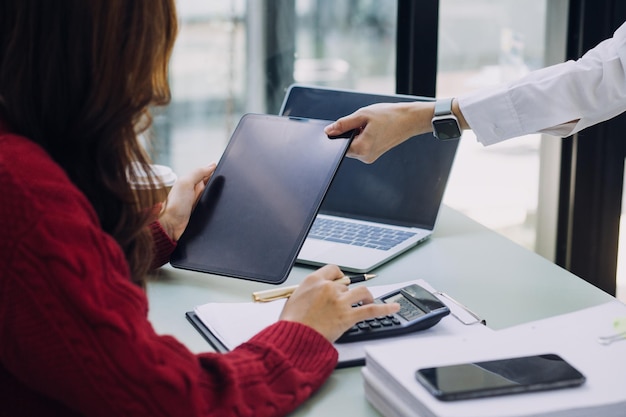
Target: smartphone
(499,377)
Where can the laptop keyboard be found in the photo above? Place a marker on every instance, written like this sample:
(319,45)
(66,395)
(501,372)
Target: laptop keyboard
(357,234)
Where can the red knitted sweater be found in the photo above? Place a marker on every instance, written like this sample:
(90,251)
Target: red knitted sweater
(74,334)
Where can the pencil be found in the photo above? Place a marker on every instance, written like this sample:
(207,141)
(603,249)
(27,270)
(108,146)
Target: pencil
(285,292)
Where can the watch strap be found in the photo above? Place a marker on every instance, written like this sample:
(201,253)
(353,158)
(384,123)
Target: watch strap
(443,107)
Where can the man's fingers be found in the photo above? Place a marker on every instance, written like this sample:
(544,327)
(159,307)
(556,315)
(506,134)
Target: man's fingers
(346,123)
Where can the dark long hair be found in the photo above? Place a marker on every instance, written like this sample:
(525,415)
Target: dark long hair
(77,77)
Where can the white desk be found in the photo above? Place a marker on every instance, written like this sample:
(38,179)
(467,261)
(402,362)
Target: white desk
(501,281)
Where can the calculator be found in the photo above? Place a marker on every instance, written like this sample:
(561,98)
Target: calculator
(419,310)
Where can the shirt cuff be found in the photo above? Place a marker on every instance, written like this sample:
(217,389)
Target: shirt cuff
(491,114)
(562,131)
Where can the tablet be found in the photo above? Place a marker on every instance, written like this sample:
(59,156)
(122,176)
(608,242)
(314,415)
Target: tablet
(260,203)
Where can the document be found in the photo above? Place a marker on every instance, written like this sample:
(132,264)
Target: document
(230,324)
(390,383)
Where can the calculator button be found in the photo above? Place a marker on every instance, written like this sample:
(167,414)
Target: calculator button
(363,326)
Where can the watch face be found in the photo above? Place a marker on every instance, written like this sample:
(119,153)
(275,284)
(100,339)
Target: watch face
(446,129)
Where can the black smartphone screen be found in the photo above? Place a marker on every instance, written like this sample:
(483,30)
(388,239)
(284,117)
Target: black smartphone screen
(499,377)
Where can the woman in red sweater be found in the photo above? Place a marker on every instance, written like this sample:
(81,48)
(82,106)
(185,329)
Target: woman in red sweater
(76,81)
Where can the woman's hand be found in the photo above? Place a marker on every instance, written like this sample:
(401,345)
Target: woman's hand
(181,200)
(326,306)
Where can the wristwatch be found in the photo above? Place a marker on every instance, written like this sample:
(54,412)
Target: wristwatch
(445,123)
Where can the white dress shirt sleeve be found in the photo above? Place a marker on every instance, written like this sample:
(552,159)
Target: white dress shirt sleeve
(560,100)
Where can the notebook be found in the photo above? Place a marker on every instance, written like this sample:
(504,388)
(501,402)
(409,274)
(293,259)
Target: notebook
(258,206)
(372,212)
(227,325)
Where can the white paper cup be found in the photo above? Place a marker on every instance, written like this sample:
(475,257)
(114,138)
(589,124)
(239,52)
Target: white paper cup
(164,175)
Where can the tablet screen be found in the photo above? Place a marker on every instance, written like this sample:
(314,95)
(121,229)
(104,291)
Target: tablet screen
(258,207)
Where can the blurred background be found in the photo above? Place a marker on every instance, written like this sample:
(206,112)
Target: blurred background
(239,56)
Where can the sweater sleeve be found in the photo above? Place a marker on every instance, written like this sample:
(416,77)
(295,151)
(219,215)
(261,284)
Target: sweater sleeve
(560,100)
(163,245)
(75,332)
(80,321)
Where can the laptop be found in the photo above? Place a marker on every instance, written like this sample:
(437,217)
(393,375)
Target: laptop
(372,212)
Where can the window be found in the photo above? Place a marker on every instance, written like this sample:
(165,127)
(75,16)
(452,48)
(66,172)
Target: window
(484,43)
(222,62)
(238,56)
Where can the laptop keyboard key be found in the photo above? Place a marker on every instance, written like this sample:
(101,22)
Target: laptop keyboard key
(357,234)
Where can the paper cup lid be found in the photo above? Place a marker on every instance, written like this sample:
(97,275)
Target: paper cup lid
(161,172)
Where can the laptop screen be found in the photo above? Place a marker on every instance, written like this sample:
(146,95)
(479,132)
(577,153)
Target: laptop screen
(403,187)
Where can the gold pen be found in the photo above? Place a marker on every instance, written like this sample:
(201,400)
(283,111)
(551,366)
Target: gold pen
(285,292)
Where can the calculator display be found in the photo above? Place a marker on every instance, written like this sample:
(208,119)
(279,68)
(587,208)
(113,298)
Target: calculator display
(408,310)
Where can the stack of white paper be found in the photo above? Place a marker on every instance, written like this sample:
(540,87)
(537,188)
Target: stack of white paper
(390,384)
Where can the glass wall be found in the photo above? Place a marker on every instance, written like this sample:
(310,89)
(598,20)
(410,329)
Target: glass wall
(207,78)
(484,43)
(222,68)
(219,68)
